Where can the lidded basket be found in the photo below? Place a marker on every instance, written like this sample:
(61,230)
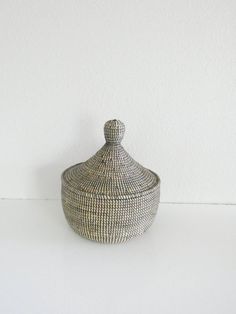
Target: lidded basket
(110,198)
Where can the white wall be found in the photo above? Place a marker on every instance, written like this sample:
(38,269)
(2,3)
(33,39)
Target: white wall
(166,68)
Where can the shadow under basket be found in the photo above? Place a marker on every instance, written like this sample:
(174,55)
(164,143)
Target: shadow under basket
(110,198)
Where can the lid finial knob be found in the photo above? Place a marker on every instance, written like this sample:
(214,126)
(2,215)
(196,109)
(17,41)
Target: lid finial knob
(114,131)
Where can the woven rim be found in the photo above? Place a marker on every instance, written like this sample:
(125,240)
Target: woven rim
(104,196)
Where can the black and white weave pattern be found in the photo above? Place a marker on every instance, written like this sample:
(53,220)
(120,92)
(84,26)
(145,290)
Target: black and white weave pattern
(110,198)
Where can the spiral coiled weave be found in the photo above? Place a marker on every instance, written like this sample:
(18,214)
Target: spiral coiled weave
(110,198)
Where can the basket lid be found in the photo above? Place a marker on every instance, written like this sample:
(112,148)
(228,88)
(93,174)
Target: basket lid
(111,171)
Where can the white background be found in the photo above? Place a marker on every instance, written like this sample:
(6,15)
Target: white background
(166,68)
(185,264)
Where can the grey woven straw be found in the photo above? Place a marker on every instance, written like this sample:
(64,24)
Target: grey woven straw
(110,198)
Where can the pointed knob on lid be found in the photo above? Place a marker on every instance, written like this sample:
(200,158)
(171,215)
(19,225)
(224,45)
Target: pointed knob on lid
(114,131)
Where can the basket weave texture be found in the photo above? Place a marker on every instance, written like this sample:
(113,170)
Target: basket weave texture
(110,198)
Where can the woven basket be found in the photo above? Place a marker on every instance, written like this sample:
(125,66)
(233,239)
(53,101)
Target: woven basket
(110,198)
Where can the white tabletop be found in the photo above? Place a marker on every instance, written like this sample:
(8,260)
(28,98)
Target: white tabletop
(186,263)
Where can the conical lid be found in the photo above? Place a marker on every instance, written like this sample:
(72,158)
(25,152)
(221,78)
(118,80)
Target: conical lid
(111,171)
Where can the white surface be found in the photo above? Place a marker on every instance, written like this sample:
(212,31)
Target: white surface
(186,263)
(166,68)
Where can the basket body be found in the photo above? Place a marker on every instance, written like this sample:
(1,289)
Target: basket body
(110,198)
(109,219)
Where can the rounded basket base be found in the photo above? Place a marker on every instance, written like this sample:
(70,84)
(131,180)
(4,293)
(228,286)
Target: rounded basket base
(115,238)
